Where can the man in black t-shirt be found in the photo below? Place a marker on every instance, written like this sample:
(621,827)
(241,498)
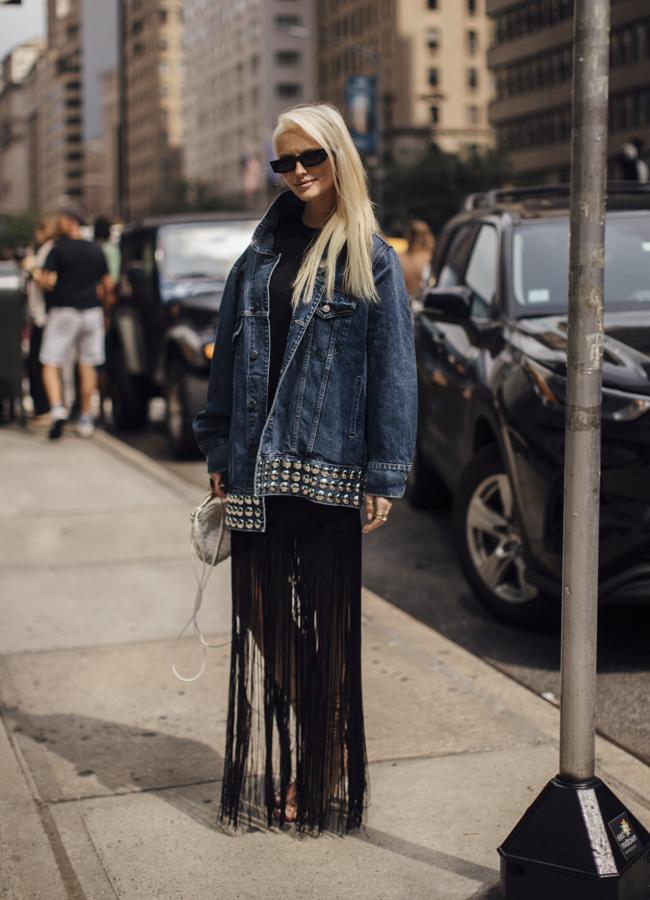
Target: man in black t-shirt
(76,274)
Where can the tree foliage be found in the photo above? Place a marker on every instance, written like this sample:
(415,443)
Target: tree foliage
(17,229)
(434,188)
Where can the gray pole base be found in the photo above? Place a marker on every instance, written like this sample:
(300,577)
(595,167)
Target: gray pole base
(576,842)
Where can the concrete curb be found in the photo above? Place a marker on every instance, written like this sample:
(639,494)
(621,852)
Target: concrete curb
(144,463)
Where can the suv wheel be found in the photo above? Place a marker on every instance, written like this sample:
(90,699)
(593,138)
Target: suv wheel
(425,489)
(489,544)
(129,394)
(185,395)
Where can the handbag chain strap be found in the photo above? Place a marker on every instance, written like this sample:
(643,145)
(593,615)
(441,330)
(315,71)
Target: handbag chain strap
(201,583)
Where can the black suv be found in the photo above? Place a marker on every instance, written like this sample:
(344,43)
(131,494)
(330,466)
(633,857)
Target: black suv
(491,341)
(161,333)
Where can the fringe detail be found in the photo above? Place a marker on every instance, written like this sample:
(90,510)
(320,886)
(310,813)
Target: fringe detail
(295,702)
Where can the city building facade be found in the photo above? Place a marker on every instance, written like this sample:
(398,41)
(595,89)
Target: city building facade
(429,57)
(532,62)
(17,103)
(99,52)
(246,61)
(53,150)
(60,153)
(151,72)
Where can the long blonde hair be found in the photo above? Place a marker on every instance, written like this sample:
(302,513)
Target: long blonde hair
(353,220)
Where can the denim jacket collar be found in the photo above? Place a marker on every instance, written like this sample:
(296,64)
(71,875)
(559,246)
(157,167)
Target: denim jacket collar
(286,202)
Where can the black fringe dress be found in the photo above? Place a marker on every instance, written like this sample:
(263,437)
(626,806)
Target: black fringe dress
(295,709)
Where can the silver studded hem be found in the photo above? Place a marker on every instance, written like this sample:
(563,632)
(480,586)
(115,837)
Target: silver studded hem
(320,482)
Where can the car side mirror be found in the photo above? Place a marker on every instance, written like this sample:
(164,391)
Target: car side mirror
(450,304)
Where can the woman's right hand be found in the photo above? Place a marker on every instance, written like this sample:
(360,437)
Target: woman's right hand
(216,481)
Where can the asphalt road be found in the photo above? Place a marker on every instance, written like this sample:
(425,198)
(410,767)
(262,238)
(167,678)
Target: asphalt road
(411,562)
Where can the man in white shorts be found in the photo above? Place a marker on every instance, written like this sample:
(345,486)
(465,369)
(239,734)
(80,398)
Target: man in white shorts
(76,273)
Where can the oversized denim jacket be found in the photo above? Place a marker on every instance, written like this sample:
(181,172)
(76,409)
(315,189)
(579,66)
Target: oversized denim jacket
(343,420)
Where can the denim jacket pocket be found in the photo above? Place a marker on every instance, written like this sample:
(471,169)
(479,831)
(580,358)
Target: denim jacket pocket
(354,412)
(339,305)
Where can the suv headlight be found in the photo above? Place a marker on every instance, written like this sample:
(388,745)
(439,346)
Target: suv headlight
(617,406)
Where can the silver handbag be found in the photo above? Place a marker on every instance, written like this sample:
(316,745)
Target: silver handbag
(210,540)
(210,537)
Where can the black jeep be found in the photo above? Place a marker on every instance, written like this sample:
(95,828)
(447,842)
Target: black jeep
(491,341)
(161,332)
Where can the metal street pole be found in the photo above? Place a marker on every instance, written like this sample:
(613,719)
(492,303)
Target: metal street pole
(584,371)
(577,841)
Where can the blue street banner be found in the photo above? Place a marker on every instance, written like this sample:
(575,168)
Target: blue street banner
(361,109)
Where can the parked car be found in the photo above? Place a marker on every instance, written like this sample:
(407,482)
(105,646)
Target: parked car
(491,341)
(11,278)
(161,332)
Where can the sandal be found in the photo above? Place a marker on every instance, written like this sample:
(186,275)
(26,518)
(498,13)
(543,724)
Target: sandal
(290,806)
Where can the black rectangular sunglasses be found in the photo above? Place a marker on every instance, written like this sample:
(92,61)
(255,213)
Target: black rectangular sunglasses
(308,159)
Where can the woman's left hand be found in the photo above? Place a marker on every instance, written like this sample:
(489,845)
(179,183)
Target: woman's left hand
(377,510)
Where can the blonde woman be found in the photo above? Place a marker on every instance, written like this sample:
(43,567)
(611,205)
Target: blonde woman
(310,419)
(416,259)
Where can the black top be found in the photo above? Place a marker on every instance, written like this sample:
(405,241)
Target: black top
(80,266)
(291,239)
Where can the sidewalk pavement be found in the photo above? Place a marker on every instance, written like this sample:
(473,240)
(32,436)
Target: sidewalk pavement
(110,767)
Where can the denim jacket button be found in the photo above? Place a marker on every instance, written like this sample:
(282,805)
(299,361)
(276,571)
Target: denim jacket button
(254,354)
(251,404)
(326,307)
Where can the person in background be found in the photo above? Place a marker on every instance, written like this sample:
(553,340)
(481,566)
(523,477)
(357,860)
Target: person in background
(416,260)
(77,274)
(110,249)
(36,317)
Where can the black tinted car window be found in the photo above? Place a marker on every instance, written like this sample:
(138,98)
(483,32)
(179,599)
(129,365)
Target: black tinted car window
(540,265)
(453,265)
(481,274)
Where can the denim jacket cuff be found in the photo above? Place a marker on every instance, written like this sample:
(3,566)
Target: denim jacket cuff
(386,479)
(218,457)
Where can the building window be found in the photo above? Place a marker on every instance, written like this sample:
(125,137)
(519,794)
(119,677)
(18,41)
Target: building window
(471,7)
(285,89)
(435,115)
(528,17)
(472,78)
(288,57)
(472,42)
(285,22)
(432,4)
(473,115)
(433,78)
(433,38)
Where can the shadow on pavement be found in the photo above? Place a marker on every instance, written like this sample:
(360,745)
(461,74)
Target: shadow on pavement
(121,757)
(185,773)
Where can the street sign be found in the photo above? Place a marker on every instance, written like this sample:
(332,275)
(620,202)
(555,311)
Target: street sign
(361,109)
